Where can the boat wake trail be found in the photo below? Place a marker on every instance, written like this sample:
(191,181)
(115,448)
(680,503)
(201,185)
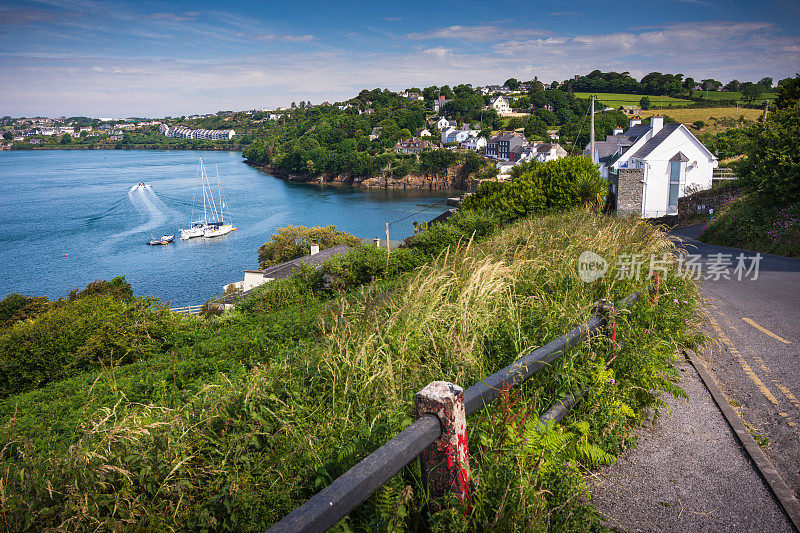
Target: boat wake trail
(153,211)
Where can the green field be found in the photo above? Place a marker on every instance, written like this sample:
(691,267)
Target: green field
(619,99)
(731,95)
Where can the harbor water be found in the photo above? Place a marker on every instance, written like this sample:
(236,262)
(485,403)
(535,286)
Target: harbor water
(70,217)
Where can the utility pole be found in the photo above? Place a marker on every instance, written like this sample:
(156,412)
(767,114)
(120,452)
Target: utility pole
(387,247)
(591,131)
(766,107)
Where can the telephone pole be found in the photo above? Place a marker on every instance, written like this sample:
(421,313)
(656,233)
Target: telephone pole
(591,130)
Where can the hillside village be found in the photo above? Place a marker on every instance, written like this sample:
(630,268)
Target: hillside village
(506,125)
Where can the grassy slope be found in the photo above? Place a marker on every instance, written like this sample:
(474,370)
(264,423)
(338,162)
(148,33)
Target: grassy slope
(732,95)
(619,99)
(252,414)
(717,119)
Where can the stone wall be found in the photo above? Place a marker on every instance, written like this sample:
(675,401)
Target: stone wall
(629,191)
(701,202)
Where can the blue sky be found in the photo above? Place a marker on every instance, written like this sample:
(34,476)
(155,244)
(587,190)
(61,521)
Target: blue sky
(116,59)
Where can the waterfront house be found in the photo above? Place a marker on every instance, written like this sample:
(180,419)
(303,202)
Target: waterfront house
(254,278)
(424,132)
(500,146)
(650,166)
(412,146)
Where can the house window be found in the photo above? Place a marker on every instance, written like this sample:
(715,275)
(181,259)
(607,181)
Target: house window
(675,169)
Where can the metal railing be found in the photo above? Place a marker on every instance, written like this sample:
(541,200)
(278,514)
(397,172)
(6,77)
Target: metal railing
(348,491)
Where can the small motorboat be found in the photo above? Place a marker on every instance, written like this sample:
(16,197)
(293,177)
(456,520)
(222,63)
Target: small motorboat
(166,239)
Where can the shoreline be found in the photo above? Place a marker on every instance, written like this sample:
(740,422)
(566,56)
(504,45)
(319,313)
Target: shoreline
(111,147)
(452,180)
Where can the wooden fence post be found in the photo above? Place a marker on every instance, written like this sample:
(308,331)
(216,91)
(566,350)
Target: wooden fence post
(445,463)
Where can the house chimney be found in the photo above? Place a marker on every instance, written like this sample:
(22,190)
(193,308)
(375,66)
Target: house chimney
(656,123)
(617,131)
(314,247)
(636,122)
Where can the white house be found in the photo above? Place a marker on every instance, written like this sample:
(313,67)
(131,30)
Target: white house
(500,104)
(662,161)
(442,124)
(474,143)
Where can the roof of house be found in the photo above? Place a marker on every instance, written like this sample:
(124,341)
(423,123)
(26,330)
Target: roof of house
(505,137)
(546,147)
(657,139)
(288,268)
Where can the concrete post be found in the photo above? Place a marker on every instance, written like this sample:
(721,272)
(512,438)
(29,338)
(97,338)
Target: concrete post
(445,464)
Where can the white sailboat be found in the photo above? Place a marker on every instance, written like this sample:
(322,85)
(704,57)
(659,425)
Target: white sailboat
(218,228)
(213,222)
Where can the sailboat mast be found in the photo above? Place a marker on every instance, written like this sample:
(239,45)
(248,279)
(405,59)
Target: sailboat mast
(219,192)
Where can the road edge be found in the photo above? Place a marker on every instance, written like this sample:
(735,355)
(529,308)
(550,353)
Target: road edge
(786,499)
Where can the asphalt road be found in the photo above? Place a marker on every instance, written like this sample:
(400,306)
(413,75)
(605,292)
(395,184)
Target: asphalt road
(756,355)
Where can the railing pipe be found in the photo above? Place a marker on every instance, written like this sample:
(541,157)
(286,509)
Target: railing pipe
(320,513)
(349,490)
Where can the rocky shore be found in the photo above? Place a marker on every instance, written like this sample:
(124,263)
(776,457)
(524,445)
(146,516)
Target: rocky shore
(454,178)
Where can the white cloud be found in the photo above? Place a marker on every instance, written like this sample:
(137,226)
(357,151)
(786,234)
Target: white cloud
(99,84)
(286,38)
(475,33)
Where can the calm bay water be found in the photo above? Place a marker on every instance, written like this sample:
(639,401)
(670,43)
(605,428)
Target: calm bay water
(69,217)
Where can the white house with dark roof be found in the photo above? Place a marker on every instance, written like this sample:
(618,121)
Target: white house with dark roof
(500,104)
(663,161)
(442,124)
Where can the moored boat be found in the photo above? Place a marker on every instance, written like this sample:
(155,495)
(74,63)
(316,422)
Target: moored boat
(213,222)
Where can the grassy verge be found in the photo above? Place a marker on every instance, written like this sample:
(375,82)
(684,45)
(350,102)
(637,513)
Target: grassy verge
(754,223)
(248,415)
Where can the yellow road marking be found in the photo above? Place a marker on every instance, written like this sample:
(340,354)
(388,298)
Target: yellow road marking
(765,330)
(745,366)
(786,392)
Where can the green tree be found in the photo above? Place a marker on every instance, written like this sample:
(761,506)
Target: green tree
(66,139)
(512,84)
(7,135)
(772,166)
(788,92)
(644,103)
(732,86)
(292,242)
(751,91)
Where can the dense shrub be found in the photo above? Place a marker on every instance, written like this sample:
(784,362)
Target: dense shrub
(555,185)
(16,307)
(90,331)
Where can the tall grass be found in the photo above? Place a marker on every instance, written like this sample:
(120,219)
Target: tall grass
(242,451)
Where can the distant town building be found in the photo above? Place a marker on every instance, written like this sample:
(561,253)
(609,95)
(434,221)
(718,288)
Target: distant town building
(182,132)
(500,146)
